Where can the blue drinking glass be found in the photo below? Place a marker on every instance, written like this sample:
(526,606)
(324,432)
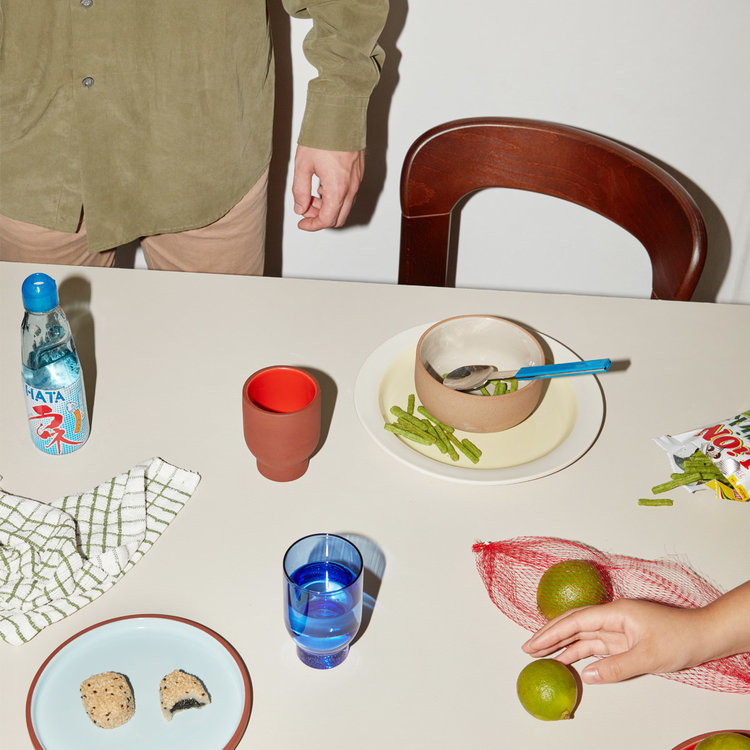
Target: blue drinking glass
(323,581)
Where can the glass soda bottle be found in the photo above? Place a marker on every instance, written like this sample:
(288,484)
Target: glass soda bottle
(52,378)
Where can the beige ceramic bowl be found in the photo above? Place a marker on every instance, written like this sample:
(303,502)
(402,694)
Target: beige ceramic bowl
(476,340)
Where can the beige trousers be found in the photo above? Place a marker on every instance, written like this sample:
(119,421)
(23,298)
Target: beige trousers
(234,244)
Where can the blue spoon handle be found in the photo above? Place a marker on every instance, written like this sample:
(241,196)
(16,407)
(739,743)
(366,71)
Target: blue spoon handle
(570,368)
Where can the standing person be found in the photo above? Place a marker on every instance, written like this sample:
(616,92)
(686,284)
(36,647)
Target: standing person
(152,120)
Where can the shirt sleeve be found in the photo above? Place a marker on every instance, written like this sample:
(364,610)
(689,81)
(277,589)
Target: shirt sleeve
(343,46)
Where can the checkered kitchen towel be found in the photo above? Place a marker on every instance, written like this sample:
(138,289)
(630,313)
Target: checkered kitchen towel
(57,557)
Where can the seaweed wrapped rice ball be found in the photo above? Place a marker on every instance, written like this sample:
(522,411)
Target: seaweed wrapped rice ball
(179,691)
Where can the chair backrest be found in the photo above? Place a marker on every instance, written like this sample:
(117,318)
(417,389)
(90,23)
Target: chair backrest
(457,158)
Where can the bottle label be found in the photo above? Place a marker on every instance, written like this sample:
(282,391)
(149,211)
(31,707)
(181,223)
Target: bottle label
(57,419)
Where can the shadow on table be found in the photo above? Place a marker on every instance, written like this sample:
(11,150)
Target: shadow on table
(328,393)
(75,299)
(374,568)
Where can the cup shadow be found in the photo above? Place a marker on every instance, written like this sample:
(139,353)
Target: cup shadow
(373,559)
(328,394)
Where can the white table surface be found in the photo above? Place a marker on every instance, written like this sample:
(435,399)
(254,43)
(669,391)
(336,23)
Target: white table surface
(437,664)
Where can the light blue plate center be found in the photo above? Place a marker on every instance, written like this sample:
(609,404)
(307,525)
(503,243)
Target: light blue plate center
(145,649)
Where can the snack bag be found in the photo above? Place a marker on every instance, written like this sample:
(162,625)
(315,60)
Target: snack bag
(727,445)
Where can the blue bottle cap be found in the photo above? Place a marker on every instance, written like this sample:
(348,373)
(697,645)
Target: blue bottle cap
(39,293)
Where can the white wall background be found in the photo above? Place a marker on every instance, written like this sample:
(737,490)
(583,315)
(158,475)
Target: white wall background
(668,77)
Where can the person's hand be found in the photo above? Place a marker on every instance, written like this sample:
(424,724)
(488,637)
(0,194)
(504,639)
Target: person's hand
(636,637)
(339,172)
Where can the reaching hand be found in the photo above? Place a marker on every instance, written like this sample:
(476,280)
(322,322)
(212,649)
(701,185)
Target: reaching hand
(636,637)
(339,172)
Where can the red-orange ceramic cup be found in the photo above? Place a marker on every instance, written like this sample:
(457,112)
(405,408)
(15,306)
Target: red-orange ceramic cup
(281,420)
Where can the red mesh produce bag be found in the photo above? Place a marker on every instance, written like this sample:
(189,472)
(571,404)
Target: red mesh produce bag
(511,570)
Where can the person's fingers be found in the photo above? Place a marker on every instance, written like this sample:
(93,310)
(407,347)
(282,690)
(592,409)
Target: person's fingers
(542,647)
(615,668)
(345,209)
(302,189)
(340,174)
(565,628)
(582,649)
(314,219)
(313,208)
(330,210)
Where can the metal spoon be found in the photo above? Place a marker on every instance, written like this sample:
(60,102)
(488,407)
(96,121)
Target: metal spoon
(469,377)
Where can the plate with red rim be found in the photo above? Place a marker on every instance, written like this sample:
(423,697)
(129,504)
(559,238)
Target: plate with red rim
(145,648)
(563,427)
(693,741)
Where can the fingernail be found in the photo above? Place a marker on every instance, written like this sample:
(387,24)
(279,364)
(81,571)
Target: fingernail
(298,209)
(591,675)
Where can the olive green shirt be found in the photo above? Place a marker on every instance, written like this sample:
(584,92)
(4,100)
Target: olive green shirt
(155,115)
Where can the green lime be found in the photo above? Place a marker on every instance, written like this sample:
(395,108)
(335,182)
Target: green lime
(724,741)
(569,584)
(547,689)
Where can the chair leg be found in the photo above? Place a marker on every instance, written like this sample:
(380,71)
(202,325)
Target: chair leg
(424,250)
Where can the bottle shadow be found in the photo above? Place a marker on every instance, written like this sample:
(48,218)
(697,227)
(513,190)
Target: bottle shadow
(75,299)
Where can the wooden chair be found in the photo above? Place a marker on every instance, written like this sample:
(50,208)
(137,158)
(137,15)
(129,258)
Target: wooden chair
(452,160)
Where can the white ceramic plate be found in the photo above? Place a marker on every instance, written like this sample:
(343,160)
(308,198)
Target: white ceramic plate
(564,426)
(145,648)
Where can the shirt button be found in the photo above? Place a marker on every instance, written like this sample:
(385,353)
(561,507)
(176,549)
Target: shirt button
(87,3)
(88,82)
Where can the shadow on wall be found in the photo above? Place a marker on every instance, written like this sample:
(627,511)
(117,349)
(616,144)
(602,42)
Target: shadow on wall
(719,238)
(378,117)
(282,138)
(126,255)
(279,192)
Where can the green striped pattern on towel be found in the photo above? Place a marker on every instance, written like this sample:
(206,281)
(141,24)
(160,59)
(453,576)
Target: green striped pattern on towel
(57,557)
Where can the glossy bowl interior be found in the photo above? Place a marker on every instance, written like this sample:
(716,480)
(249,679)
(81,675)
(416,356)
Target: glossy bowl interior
(476,340)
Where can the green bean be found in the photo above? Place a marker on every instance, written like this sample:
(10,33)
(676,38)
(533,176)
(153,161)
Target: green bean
(445,437)
(704,474)
(697,467)
(398,412)
(407,425)
(698,457)
(398,430)
(655,501)
(684,479)
(429,416)
(500,387)
(430,428)
(513,385)
(466,451)
(442,442)
(473,448)
(410,404)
